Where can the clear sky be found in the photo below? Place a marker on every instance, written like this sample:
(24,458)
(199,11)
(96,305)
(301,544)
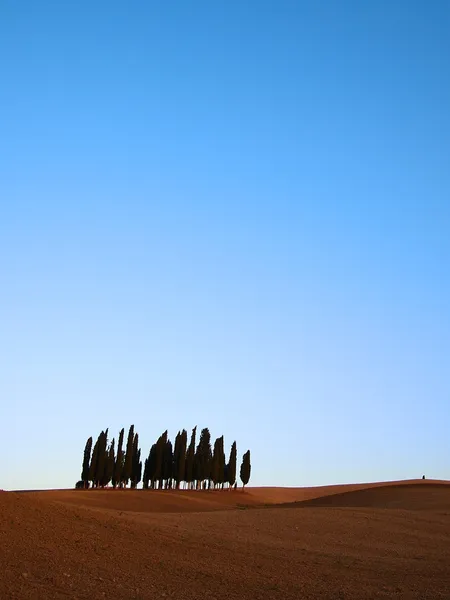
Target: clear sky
(226,214)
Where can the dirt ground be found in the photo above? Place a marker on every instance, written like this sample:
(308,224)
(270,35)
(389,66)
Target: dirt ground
(360,541)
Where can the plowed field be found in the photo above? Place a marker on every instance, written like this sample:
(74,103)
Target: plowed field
(362,541)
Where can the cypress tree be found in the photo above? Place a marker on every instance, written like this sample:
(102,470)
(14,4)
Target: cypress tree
(167,466)
(180,471)
(190,457)
(152,465)
(102,457)
(119,460)
(159,459)
(136,469)
(215,464)
(128,466)
(86,462)
(203,458)
(231,467)
(176,458)
(123,467)
(245,468)
(93,465)
(146,477)
(218,462)
(221,462)
(139,471)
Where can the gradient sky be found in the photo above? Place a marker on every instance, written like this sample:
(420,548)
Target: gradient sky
(226,214)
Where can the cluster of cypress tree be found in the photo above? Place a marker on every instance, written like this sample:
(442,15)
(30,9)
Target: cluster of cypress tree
(167,466)
(102,465)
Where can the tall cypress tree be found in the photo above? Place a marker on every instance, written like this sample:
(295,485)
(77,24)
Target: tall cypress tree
(176,458)
(231,467)
(139,469)
(181,460)
(221,462)
(160,452)
(245,468)
(217,464)
(190,458)
(152,465)
(146,476)
(203,458)
(136,469)
(102,457)
(128,466)
(93,465)
(119,460)
(167,466)
(86,462)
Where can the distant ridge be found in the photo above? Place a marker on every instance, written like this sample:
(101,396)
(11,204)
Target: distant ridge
(416,495)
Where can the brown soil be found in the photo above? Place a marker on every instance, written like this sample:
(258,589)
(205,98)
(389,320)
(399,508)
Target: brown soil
(336,542)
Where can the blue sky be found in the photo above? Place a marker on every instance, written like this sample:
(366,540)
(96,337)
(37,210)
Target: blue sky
(228,214)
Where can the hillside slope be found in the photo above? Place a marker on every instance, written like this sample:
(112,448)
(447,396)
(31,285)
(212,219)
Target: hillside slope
(432,496)
(54,549)
(148,501)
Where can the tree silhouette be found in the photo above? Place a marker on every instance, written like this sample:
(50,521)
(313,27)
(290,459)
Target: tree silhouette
(179,458)
(231,467)
(203,458)
(119,460)
(128,465)
(147,472)
(190,459)
(159,460)
(218,463)
(136,467)
(215,463)
(86,462)
(150,475)
(245,468)
(167,466)
(101,458)
(221,462)
(94,463)
(145,476)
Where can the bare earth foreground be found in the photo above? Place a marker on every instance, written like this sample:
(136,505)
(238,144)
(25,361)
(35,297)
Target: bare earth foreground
(358,541)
